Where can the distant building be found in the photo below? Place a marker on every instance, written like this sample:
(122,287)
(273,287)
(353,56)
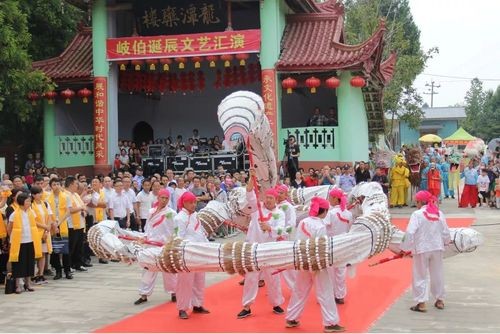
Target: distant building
(441,121)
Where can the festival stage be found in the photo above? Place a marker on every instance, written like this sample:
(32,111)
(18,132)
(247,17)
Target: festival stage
(370,293)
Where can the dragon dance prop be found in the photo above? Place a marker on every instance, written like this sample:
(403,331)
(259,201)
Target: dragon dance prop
(243,112)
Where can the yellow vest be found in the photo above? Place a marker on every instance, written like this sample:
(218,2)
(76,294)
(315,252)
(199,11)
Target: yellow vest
(99,212)
(76,201)
(42,219)
(63,207)
(15,237)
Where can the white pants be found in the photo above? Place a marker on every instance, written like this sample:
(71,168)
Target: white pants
(424,265)
(190,290)
(323,287)
(273,287)
(289,277)
(337,275)
(148,282)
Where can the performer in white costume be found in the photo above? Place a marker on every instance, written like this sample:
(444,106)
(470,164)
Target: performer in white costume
(265,222)
(313,227)
(190,286)
(338,221)
(159,228)
(290,225)
(426,237)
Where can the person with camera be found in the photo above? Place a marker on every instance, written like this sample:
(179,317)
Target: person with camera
(326,179)
(312,178)
(292,152)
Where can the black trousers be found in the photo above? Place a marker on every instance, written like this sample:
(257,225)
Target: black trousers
(87,252)
(76,247)
(122,222)
(55,262)
(133,223)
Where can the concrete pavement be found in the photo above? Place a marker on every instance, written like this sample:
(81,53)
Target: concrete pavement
(106,293)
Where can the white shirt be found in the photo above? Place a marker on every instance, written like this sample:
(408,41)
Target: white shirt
(119,203)
(290,213)
(74,197)
(160,225)
(94,199)
(189,226)
(226,146)
(337,222)
(483,182)
(276,222)
(26,229)
(424,235)
(310,227)
(146,201)
(131,197)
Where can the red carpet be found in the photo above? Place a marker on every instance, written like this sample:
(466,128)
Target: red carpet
(370,293)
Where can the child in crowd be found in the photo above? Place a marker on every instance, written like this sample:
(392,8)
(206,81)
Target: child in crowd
(483,184)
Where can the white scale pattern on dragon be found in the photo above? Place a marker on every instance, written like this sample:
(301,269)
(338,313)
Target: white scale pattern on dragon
(371,232)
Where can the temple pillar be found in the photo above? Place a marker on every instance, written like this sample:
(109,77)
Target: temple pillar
(102,163)
(272,24)
(353,122)
(50,145)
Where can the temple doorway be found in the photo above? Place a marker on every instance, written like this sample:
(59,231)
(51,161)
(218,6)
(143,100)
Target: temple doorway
(142,132)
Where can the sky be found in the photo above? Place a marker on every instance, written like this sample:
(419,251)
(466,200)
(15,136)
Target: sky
(467,34)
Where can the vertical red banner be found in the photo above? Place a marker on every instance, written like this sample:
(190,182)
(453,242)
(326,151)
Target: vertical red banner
(270,103)
(101,120)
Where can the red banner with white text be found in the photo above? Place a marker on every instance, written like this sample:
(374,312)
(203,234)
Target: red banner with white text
(101,120)
(270,102)
(188,45)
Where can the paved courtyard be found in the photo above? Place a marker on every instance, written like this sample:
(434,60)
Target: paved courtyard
(106,293)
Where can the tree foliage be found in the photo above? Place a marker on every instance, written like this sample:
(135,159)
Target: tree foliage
(52,23)
(29,29)
(482,111)
(401,100)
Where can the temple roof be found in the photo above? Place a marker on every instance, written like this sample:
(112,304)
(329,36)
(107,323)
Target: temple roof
(321,50)
(74,64)
(312,6)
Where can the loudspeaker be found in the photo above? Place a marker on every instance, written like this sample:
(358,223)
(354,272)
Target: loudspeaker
(151,166)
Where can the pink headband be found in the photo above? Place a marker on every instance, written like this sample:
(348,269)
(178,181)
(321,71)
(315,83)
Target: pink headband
(186,197)
(316,204)
(281,187)
(426,197)
(164,192)
(337,193)
(272,192)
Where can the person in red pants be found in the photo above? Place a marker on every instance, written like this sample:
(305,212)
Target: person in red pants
(469,195)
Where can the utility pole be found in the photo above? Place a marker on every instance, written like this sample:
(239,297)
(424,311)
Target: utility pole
(431,91)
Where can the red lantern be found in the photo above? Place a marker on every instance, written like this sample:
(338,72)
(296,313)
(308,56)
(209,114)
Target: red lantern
(289,84)
(212,59)
(33,97)
(181,61)
(166,63)
(85,94)
(152,64)
(50,96)
(67,94)
(358,82)
(137,64)
(332,83)
(197,61)
(227,59)
(242,57)
(313,83)
(122,65)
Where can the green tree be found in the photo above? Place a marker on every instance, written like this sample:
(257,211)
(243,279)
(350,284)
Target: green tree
(401,100)
(475,100)
(16,75)
(52,24)
(491,116)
